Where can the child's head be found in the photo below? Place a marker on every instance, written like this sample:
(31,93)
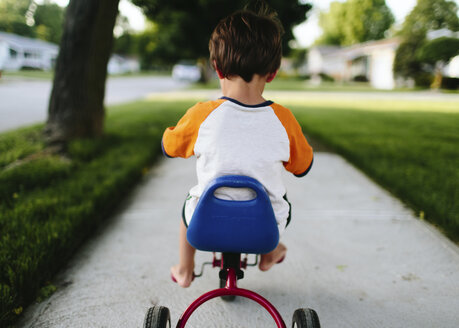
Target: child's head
(246,43)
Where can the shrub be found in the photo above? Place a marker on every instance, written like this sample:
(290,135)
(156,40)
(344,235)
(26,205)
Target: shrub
(360,78)
(423,79)
(450,83)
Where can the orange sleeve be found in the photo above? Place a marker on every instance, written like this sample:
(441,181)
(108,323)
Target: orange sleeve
(179,140)
(301,155)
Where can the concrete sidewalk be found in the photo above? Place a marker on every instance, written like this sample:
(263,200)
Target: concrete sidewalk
(356,255)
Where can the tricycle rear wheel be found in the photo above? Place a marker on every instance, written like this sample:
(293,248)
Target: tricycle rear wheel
(305,318)
(157,317)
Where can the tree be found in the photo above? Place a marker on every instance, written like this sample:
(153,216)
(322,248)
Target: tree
(76,107)
(184,27)
(147,48)
(126,44)
(439,50)
(49,18)
(126,40)
(426,16)
(331,24)
(26,18)
(13,17)
(437,53)
(298,57)
(430,15)
(355,21)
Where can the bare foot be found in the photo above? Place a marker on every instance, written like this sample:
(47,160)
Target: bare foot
(268,260)
(183,277)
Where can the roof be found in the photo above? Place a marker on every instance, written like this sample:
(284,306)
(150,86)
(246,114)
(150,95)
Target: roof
(357,50)
(28,43)
(360,49)
(325,50)
(392,42)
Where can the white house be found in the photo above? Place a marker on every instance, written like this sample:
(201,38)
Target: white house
(378,61)
(371,60)
(18,52)
(326,60)
(452,69)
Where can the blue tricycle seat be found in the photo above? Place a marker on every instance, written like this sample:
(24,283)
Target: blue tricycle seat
(247,226)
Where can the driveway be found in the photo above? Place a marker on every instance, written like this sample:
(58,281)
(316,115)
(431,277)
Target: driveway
(25,101)
(356,255)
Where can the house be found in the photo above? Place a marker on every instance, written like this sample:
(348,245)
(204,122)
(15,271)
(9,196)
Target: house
(452,69)
(371,61)
(17,52)
(326,60)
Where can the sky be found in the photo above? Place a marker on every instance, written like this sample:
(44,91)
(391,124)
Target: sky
(305,33)
(134,14)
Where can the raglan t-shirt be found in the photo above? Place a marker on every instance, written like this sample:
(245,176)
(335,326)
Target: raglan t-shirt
(228,137)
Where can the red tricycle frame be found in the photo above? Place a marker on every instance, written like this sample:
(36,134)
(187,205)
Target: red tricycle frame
(231,265)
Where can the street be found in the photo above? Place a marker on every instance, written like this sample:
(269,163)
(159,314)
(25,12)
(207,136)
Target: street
(25,101)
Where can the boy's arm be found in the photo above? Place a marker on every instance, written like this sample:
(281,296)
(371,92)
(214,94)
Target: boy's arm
(179,140)
(301,153)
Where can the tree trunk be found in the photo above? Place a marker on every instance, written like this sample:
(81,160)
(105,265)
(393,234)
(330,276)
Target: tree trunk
(76,107)
(438,77)
(206,70)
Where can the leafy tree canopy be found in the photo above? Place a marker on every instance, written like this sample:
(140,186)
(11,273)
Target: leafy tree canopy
(438,50)
(410,60)
(355,21)
(13,17)
(49,19)
(430,15)
(26,18)
(184,26)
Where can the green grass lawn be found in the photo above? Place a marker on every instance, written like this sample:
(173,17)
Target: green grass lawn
(296,84)
(32,74)
(291,84)
(409,147)
(50,204)
(49,75)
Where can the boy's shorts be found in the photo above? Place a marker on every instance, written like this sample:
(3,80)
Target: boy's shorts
(193,199)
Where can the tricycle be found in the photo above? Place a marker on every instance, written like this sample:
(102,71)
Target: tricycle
(232,228)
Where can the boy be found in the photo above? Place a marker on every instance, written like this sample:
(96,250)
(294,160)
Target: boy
(240,133)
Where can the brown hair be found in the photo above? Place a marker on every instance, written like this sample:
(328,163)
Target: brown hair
(247,43)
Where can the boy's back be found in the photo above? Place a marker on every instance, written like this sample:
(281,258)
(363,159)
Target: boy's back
(228,137)
(241,133)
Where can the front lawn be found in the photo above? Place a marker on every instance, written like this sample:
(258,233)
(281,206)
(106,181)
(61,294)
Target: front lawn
(409,147)
(49,204)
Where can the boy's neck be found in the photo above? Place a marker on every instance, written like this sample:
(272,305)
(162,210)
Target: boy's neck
(250,93)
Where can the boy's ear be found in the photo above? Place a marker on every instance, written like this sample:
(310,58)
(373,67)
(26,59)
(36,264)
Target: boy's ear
(271,76)
(219,73)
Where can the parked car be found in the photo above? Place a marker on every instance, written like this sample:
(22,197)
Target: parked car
(186,71)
